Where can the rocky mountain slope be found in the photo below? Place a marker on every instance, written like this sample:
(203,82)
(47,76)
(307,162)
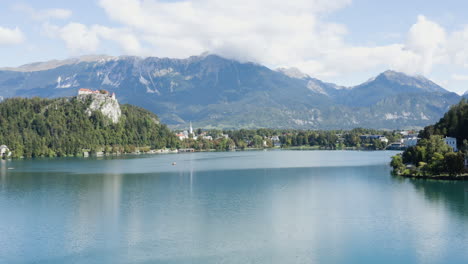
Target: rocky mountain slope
(212,91)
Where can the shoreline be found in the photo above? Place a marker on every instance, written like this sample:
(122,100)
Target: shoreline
(165,152)
(168,151)
(463,177)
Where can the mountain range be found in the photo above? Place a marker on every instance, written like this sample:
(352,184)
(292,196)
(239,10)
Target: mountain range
(215,92)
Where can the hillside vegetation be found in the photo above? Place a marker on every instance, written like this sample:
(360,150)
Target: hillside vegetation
(453,124)
(40,127)
(431,156)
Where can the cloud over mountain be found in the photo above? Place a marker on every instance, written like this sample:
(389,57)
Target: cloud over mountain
(315,36)
(276,33)
(10,36)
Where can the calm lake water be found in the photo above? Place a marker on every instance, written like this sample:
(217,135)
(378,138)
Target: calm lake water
(233,207)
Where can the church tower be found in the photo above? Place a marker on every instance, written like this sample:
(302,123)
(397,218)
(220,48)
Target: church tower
(190,129)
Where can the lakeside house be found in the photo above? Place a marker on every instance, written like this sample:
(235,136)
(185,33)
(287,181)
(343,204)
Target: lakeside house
(185,134)
(182,135)
(396,146)
(275,140)
(4,151)
(451,142)
(372,137)
(186,150)
(410,140)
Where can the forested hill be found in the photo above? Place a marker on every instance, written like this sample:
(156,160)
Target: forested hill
(432,157)
(453,124)
(66,127)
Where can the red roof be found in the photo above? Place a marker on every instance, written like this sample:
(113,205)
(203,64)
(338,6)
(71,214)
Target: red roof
(85,90)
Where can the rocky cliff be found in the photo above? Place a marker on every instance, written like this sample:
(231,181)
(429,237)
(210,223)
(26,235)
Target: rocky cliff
(104,103)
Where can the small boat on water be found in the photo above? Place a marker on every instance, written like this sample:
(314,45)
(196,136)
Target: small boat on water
(173,163)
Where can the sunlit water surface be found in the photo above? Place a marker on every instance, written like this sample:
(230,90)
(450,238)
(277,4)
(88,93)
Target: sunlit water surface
(231,207)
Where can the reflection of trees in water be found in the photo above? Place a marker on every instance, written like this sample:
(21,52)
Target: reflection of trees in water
(453,194)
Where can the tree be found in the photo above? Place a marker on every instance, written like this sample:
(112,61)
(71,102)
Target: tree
(454,163)
(437,164)
(397,163)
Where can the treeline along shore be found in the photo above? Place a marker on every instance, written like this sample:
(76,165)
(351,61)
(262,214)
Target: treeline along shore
(442,152)
(355,139)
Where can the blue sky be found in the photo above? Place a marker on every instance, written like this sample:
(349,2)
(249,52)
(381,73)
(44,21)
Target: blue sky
(341,41)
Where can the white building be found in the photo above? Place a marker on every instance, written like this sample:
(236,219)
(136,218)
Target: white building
(186,134)
(383,139)
(452,142)
(275,138)
(410,141)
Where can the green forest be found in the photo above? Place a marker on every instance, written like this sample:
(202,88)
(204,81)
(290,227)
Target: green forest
(431,156)
(39,127)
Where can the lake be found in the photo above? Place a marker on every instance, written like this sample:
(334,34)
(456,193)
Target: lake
(228,207)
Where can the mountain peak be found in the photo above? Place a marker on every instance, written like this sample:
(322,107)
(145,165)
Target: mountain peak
(293,72)
(391,74)
(403,79)
(396,75)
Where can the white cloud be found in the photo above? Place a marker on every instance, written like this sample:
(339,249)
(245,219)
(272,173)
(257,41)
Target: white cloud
(426,39)
(127,41)
(287,33)
(11,36)
(273,32)
(457,47)
(460,77)
(81,39)
(43,14)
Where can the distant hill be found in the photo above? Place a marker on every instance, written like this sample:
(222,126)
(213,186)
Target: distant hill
(215,92)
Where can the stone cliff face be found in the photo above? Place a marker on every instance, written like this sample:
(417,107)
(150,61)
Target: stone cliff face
(107,105)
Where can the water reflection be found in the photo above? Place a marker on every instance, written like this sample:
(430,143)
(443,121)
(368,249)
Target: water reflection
(452,195)
(190,214)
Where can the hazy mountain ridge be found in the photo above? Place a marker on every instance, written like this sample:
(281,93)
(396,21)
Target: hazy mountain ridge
(212,91)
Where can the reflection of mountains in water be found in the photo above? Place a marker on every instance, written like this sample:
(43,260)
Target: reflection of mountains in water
(453,195)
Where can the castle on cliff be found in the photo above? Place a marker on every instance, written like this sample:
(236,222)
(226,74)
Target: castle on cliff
(84,91)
